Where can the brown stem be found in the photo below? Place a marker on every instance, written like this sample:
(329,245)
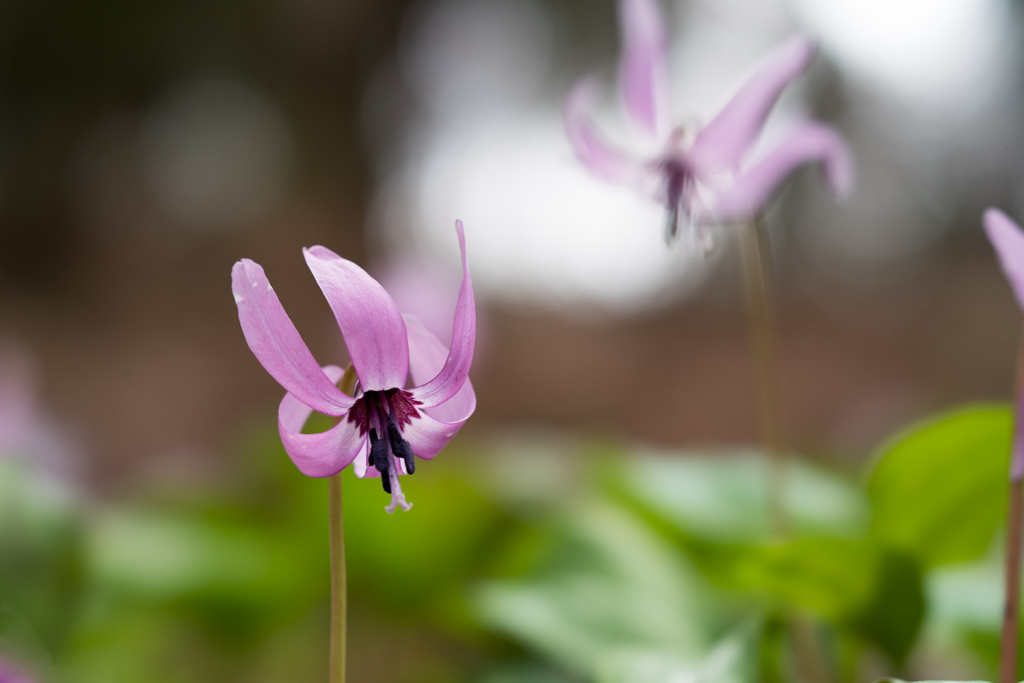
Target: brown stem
(807,650)
(1011,609)
(764,357)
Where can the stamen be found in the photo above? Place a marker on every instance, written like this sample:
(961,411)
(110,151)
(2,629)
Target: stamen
(397,497)
(674,197)
(378,451)
(379,411)
(379,457)
(704,240)
(399,446)
(672,224)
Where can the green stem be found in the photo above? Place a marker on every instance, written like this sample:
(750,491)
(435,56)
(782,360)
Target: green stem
(338,588)
(764,356)
(336,530)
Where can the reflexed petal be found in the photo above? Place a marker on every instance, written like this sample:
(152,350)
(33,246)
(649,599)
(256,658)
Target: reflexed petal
(364,470)
(427,355)
(722,143)
(427,436)
(447,383)
(368,317)
(362,467)
(294,412)
(323,454)
(1008,240)
(810,142)
(643,74)
(277,345)
(590,148)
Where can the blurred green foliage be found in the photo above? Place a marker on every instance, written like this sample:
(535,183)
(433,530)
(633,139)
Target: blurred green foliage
(541,558)
(938,491)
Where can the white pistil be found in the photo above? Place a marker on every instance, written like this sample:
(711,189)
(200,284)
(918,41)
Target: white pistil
(397,497)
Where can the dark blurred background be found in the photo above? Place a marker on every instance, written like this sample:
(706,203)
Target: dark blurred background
(146,147)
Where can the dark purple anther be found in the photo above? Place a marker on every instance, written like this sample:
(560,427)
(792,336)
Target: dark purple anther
(399,446)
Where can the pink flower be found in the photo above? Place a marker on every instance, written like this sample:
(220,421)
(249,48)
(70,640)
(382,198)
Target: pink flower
(1006,237)
(385,424)
(703,175)
(1008,240)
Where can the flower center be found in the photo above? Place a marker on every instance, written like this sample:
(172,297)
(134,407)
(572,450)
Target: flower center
(678,182)
(383,415)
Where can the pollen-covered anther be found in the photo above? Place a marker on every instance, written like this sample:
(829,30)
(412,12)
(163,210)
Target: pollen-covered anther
(379,458)
(399,446)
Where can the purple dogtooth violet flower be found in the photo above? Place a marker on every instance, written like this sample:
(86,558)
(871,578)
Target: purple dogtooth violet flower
(1008,240)
(701,175)
(384,425)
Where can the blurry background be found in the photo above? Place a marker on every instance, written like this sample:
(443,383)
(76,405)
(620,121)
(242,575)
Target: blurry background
(145,147)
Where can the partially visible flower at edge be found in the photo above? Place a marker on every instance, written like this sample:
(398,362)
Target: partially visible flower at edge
(1008,240)
(702,176)
(10,675)
(384,425)
(27,433)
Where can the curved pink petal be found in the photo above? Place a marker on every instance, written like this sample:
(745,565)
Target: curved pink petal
(362,467)
(323,454)
(589,146)
(1008,240)
(427,435)
(722,143)
(643,74)
(277,345)
(368,317)
(427,355)
(453,374)
(294,412)
(811,142)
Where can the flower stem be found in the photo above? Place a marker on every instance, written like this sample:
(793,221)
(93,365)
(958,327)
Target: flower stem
(764,357)
(338,588)
(336,531)
(807,650)
(1011,608)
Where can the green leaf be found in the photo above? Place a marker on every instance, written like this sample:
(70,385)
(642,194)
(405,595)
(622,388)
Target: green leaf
(717,510)
(724,496)
(855,583)
(938,491)
(892,617)
(733,659)
(611,598)
(41,556)
(831,577)
(409,559)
